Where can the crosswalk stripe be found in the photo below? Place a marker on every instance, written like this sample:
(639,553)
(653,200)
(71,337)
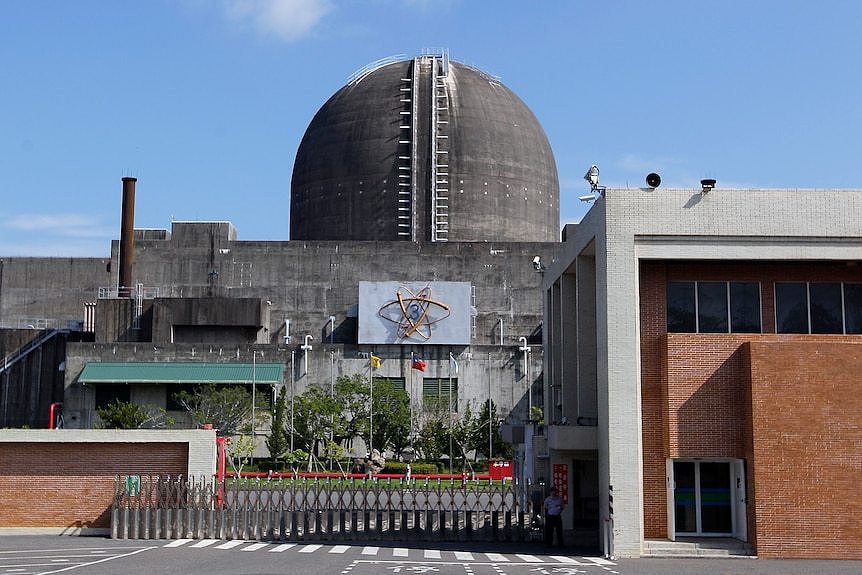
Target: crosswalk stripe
(310,548)
(204,543)
(599,561)
(432,554)
(563,559)
(528,558)
(282,547)
(370,550)
(497,557)
(399,552)
(178,543)
(254,547)
(339,549)
(463,556)
(231,544)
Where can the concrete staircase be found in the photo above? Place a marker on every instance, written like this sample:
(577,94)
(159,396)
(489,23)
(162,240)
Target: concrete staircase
(706,547)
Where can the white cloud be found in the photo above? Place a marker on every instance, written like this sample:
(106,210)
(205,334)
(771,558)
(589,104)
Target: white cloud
(65,225)
(285,19)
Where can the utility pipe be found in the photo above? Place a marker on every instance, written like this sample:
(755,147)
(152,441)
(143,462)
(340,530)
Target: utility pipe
(305,349)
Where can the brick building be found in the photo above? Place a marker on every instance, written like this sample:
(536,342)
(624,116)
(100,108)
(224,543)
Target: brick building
(703,353)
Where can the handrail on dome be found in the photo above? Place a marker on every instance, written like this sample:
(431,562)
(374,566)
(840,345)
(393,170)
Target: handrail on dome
(369,68)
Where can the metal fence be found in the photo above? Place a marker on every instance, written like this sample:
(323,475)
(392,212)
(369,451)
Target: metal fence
(318,509)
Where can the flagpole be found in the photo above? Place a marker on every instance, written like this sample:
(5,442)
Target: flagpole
(371,412)
(450,413)
(410,433)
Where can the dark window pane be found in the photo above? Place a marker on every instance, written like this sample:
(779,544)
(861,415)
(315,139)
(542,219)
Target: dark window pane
(680,307)
(791,308)
(108,393)
(684,498)
(825,307)
(715,512)
(745,307)
(712,307)
(436,394)
(853,307)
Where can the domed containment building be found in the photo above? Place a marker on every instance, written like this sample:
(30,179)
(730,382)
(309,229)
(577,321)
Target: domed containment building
(424,150)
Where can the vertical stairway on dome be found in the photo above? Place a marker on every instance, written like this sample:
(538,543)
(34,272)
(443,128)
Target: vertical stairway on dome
(440,148)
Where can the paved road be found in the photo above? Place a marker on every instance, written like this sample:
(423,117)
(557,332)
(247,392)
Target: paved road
(97,556)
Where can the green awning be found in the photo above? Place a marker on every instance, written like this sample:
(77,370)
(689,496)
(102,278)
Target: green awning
(181,372)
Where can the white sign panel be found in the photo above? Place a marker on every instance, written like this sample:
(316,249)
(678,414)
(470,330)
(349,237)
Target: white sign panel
(436,313)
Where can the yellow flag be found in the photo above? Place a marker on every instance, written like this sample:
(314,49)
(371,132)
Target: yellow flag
(375,361)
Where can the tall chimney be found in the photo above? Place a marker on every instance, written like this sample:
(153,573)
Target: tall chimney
(127,238)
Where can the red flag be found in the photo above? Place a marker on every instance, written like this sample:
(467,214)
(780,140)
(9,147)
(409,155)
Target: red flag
(417,363)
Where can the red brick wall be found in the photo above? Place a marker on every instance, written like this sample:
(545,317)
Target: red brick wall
(694,387)
(72,484)
(806,452)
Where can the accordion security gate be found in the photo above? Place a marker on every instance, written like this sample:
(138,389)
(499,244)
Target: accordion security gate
(318,510)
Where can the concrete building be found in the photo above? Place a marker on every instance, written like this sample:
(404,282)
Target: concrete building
(703,354)
(426,181)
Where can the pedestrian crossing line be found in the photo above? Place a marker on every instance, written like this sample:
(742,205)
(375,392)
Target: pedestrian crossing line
(529,558)
(282,548)
(599,561)
(432,554)
(205,543)
(178,543)
(339,549)
(231,544)
(497,557)
(370,550)
(400,552)
(254,547)
(310,548)
(564,559)
(463,556)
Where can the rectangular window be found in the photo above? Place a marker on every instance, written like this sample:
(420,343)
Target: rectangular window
(108,393)
(853,308)
(436,394)
(825,304)
(745,307)
(712,307)
(395,382)
(791,308)
(681,316)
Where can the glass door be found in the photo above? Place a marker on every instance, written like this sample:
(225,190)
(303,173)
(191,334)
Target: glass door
(702,498)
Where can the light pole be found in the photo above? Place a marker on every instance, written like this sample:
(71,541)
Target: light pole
(526,350)
(253,401)
(292,381)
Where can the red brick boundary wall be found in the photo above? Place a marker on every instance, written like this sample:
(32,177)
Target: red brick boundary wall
(63,481)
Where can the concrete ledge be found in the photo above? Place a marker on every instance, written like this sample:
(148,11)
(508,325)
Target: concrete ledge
(60,531)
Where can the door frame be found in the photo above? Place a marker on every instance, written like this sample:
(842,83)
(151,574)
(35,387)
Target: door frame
(736,482)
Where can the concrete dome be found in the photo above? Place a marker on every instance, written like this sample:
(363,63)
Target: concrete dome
(424,150)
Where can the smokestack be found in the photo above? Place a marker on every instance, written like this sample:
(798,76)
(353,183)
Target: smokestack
(127,238)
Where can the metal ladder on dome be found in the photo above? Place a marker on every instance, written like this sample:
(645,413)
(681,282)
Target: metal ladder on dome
(440,148)
(406,152)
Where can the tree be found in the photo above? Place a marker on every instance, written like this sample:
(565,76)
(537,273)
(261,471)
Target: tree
(479,436)
(433,440)
(315,411)
(127,415)
(277,442)
(226,407)
(391,417)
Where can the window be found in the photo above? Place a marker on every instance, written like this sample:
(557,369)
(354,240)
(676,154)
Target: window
(395,382)
(108,393)
(818,307)
(713,307)
(436,393)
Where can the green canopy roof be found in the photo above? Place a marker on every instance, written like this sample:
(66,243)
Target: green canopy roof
(181,372)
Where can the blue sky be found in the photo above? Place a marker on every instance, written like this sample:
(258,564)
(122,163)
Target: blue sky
(205,101)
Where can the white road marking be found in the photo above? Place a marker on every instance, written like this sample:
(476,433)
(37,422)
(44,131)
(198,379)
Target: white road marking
(400,552)
(282,547)
(339,549)
(204,543)
(463,556)
(497,557)
(254,547)
(599,561)
(99,561)
(528,558)
(231,544)
(370,550)
(563,559)
(178,543)
(432,554)
(310,548)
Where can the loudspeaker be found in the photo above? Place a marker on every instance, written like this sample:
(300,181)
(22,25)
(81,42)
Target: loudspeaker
(653,180)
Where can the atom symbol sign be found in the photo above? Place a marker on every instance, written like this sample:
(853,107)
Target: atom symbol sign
(414,314)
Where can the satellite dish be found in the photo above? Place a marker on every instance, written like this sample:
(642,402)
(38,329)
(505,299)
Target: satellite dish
(653,180)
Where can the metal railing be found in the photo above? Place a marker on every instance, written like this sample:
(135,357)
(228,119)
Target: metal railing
(152,507)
